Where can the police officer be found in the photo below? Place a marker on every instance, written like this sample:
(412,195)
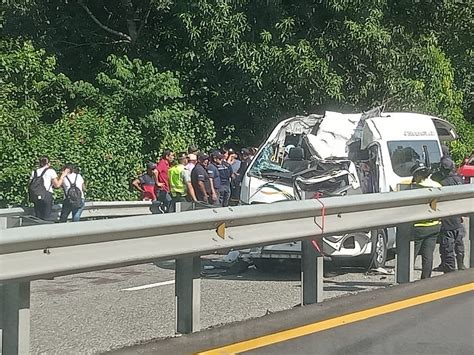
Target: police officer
(451,247)
(201,181)
(224,171)
(425,233)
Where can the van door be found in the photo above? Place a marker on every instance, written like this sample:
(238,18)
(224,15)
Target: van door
(376,168)
(446,131)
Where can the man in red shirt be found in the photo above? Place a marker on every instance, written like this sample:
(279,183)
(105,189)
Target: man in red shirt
(162,177)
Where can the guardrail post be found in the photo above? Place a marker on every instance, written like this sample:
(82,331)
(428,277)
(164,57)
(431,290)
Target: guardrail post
(9,222)
(15,318)
(405,258)
(311,274)
(187,288)
(3,223)
(188,294)
(471,240)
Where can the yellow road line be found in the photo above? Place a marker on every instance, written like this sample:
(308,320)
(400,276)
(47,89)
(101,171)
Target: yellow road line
(336,322)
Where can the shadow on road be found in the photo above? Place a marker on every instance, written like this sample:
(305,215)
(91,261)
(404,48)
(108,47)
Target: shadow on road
(278,270)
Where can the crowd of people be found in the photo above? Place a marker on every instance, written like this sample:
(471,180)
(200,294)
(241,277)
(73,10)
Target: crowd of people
(212,179)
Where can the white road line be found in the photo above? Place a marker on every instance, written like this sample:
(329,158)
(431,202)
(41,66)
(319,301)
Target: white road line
(149,286)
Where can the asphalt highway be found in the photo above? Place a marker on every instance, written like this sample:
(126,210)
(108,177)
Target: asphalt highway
(440,327)
(434,316)
(99,311)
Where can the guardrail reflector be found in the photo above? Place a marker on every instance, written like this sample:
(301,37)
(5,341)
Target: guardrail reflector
(221,230)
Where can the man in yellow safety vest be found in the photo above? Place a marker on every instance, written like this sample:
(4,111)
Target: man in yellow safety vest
(180,182)
(425,233)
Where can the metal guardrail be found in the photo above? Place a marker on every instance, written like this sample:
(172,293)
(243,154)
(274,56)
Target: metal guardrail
(92,209)
(47,251)
(24,216)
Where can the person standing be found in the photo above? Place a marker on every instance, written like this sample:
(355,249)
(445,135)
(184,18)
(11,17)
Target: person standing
(192,159)
(42,181)
(180,182)
(74,187)
(239,175)
(225,173)
(425,232)
(201,181)
(451,247)
(233,160)
(163,178)
(213,171)
(147,183)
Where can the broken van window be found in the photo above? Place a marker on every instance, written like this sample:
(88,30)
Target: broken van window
(264,162)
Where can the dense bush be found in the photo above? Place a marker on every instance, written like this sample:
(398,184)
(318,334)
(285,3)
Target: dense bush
(108,128)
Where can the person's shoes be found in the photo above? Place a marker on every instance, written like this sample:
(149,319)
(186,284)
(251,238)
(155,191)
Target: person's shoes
(444,268)
(460,261)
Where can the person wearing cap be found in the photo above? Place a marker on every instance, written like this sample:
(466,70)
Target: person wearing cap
(223,173)
(213,171)
(446,159)
(180,179)
(201,181)
(147,183)
(451,246)
(425,233)
(162,177)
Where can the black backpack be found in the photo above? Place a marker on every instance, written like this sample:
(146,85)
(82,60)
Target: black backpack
(36,189)
(74,194)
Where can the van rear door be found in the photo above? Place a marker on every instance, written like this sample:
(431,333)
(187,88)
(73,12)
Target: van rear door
(446,131)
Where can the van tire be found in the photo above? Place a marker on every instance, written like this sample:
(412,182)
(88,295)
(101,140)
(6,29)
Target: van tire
(378,256)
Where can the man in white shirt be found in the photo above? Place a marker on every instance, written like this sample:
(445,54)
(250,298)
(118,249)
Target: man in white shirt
(76,207)
(44,203)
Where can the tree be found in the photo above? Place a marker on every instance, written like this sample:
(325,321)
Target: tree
(108,128)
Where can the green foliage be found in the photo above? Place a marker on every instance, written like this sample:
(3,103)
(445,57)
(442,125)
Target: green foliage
(155,102)
(206,72)
(106,147)
(108,128)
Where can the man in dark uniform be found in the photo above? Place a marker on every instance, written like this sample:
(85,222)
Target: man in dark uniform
(200,180)
(451,247)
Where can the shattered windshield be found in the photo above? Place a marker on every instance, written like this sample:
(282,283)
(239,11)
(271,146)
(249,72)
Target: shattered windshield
(405,154)
(265,162)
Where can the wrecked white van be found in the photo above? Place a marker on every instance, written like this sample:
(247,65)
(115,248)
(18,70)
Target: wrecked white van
(338,154)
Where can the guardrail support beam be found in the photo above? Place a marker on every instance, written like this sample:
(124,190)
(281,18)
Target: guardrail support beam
(311,274)
(471,240)
(405,258)
(188,294)
(15,318)
(9,222)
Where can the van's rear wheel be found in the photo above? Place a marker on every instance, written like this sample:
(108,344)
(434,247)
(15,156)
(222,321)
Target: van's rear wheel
(378,256)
